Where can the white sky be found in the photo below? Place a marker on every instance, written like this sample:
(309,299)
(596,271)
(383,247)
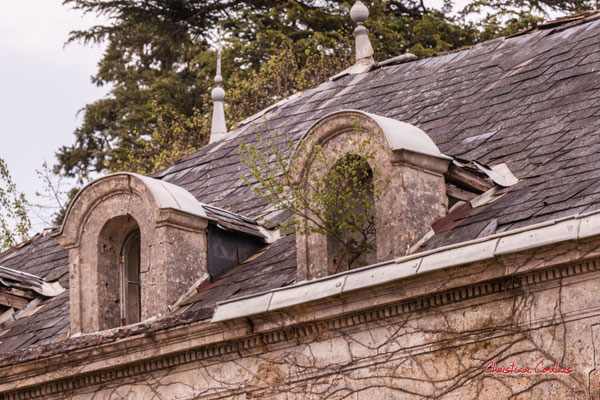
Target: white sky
(42,84)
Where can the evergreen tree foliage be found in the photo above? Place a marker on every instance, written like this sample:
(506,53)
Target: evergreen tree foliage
(160,60)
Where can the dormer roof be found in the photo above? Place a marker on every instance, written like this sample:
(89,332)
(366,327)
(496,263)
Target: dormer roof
(400,135)
(165,194)
(173,197)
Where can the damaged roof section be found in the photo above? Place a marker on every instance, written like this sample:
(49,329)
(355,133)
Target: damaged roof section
(270,268)
(561,24)
(469,185)
(36,272)
(21,294)
(41,257)
(230,221)
(13,281)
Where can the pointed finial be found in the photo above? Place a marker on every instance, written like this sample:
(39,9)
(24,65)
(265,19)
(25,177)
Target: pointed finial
(364,51)
(218,128)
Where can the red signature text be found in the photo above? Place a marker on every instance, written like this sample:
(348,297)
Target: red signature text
(513,369)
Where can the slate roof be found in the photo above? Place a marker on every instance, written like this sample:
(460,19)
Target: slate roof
(273,267)
(44,321)
(531,101)
(41,256)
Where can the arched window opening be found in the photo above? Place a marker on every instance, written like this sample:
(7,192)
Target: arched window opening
(119,257)
(351,241)
(130,279)
(407,190)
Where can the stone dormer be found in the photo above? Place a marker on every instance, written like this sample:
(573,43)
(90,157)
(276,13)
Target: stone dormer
(410,166)
(137,244)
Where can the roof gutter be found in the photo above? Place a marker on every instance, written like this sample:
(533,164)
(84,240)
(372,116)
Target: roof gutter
(513,241)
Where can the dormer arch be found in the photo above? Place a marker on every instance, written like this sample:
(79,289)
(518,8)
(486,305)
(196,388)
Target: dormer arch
(408,179)
(170,225)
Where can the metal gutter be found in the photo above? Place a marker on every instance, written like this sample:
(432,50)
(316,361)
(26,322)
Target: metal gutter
(513,241)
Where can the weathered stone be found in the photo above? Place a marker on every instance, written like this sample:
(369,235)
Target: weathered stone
(410,197)
(173,250)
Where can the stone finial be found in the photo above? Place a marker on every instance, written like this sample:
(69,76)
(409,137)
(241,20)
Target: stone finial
(364,51)
(359,12)
(219,128)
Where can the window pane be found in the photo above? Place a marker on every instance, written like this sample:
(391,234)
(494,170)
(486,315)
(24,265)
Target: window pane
(130,300)
(133,260)
(133,303)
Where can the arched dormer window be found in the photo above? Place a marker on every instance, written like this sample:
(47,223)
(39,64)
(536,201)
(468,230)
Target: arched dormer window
(135,246)
(352,215)
(402,157)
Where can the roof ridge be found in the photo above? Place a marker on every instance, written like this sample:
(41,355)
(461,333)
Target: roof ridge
(559,24)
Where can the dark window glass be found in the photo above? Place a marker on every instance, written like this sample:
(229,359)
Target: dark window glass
(130,280)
